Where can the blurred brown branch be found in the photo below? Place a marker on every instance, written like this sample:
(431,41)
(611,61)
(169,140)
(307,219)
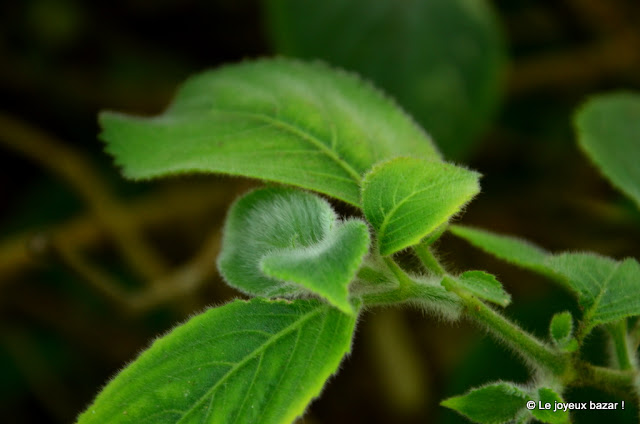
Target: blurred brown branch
(615,56)
(77,172)
(109,220)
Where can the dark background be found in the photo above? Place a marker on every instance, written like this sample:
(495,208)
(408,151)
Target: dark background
(62,61)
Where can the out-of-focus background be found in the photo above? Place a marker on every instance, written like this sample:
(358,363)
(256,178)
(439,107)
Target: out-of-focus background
(93,267)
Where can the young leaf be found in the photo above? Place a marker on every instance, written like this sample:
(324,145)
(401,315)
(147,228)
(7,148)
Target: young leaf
(546,395)
(452,88)
(607,289)
(561,327)
(608,128)
(484,286)
(244,362)
(561,331)
(492,404)
(279,120)
(405,199)
(284,242)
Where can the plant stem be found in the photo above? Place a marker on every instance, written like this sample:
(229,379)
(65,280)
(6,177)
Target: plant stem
(618,332)
(521,341)
(428,260)
(634,335)
(618,382)
(430,296)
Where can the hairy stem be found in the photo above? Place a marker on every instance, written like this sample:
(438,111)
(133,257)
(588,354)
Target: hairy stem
(530,347)
(618,382)
(428,260)
(618,333)
(634,336)
(430,296)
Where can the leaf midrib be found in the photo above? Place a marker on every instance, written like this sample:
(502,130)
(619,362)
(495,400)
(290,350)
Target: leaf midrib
(398,205)
(259,351)
(316,142)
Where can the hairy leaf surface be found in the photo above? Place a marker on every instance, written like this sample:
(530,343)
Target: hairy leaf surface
(607,289)
(405,199)
(485,286)
(281,120)
(492,404)
(451,87)
(285,242)
(608,129)
(245,362)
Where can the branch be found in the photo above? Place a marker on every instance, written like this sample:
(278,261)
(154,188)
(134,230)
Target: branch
(76,170)
(189,202)
(578,67)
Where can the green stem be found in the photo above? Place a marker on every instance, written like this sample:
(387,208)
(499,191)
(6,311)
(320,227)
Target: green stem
(514,336)
(428,260)
(408,290)
(618,382)
(634,336)
(618,332)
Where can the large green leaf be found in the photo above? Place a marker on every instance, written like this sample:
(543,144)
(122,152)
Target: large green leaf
(246,362)
(442,59)
(275,119)
(285,242)
(405,199)
(491,404)
(608,129)
(607,289)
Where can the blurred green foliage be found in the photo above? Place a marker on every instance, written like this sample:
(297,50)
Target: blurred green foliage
(62,61)
(442,60)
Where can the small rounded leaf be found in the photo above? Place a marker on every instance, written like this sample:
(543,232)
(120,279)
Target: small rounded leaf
(561,327)
(285,242)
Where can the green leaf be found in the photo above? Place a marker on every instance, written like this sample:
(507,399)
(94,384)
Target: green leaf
(608,128)
(561,327)
(492,404)
(451,87)
(245,362)
(607,289)
(274,119)
(561,331)
(546,395)
(484,286)
(405,199)
(285,242)
(511,249)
